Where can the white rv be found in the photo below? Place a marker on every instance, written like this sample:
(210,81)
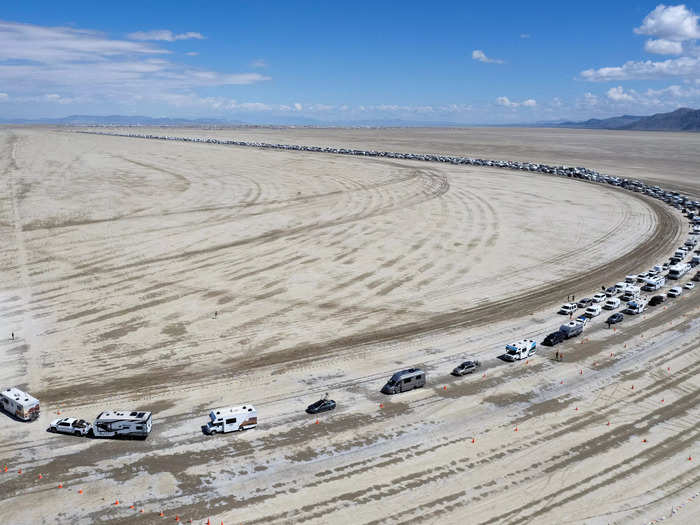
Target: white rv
(119,423)
(678,270)
(231,419)
(637,306)
(654,283)
(19,404)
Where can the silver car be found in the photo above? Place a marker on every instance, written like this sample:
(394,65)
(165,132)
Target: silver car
(71,425)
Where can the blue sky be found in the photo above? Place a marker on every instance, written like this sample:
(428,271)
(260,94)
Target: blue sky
(423,61)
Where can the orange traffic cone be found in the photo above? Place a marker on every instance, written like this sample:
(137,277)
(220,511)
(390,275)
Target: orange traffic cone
(116,502)
(80,491)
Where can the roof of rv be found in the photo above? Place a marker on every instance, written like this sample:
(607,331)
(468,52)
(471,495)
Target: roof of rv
(124,415)
(233,410)
(18,395)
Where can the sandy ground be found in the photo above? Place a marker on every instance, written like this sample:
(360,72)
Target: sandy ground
(178,277)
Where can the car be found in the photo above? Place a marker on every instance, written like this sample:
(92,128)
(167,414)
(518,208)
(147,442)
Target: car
(665,266)
(553,339)
(599,297)
(689,285)
(615,318)
(583,303)
(642,276)
(71,425)
(568,308)
(467,367)
(322,405)
(657,300)
(611,291)
(583,319)
(676,291)
(593,310)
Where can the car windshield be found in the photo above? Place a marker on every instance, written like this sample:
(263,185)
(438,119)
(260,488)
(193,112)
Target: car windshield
(512,351)
(391,382)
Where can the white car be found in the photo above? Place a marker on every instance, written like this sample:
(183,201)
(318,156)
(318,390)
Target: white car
(568,308)
(599,297)
(689,285)
(593,311)
(71,425)
(676,291)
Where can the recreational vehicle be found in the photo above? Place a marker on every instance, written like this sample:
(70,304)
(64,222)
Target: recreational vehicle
(404,381)
(520,350)
(637,306)
(571,329)
(231,419)
(678,270)
(654,283)
(123,424)
(19,404)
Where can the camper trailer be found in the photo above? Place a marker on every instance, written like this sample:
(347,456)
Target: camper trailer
(231,419)
(123,424)
(654,283)
(404,381)
(571,329)
(19,404)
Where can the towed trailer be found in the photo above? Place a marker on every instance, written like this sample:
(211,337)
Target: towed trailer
(123,424)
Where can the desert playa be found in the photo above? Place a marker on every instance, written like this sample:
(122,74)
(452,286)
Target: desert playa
(177,277)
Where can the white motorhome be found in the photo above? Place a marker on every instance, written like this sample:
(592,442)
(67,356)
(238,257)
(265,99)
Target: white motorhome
(19,404)
(231,419)
(678,270)
(637,306)
(120,423)
(654,283)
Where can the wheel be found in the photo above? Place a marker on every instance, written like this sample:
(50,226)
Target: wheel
(52,430)
(213,433)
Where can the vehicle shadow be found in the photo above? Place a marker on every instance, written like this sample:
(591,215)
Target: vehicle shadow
(15,418)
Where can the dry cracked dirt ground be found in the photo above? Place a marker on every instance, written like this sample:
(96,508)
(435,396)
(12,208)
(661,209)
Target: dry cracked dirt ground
(178,277)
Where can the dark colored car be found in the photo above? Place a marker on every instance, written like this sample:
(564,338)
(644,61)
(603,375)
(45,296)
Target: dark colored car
(615,318)
(583,303)
(466,368)
(322,405)
(553,339)
(657,300)
(611,291)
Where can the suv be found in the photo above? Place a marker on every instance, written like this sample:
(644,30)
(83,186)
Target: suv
(467,367)
(553,339)
(676,291)
(599,297)
(615,318)
(583,303)
(657,300)
(568,308)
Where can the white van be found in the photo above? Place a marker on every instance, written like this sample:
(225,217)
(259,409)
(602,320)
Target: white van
(231,419)
(631,279)
(120,423)
(592,311)
(19,404)
(678,270)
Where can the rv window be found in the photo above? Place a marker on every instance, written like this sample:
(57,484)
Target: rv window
(231,421)
(139,427)
(418,378)
(407,380)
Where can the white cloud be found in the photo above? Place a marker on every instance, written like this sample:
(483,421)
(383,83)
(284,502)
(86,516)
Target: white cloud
(4,97)
(674,30)
(618,94)
(298,106)
(674,67)
(663,47)
(480,56)
(674,22)
(164,35)
(524,35)
(192,53)
(506,102)
(259,63)
(83,64)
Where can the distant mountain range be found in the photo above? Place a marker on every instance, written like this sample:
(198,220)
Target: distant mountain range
(683,119)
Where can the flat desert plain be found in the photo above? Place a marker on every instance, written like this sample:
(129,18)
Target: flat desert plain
(179,277)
